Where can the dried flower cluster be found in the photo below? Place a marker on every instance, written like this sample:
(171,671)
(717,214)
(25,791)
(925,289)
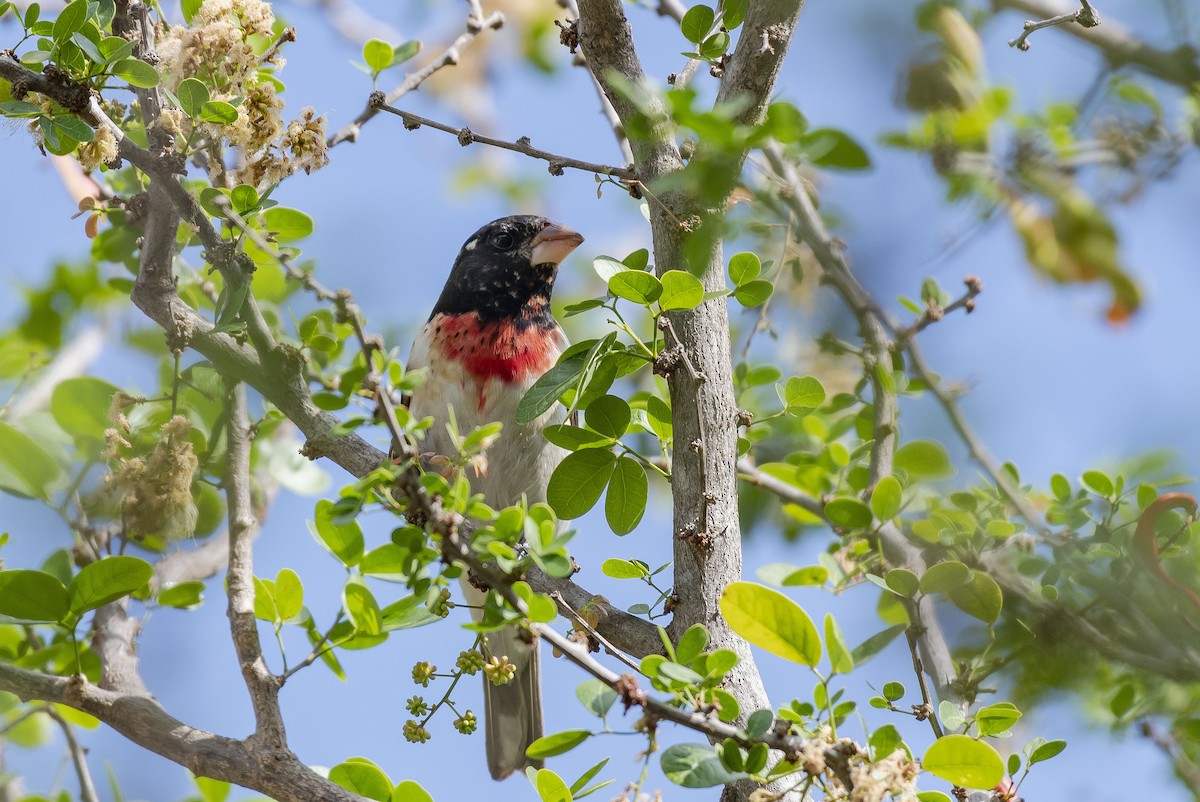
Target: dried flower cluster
(153,496)
(221,47)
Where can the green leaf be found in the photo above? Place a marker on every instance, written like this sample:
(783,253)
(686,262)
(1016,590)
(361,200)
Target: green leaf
(944,577)
(885,498)
(714,46)
(573,438)
(138,73)
(621,569)
(1045,751)
(772,621)
(378,55)
(596,696)
(71,19)
(289,594)
(1098,483)
(218,112)
(577,482)
(848,512)
(691,643)
(115,48)
(696,23)
(90,48)
(24,467)
(636,285)
(107,580)
(556,744)
(403,52)
(578,786)
(363,778)
(628,491)
(608,415)
(551,787)
(733,12)
(389,562)
(829,147)
(80,406)
(32,596)
(190,7)
(696,766)
(680,290)
(182,596)
(903,581)
(996,719)
(803,394)
(20,108)
(840,659)
(410,791)
(924,459)
(980,597)
(361,607)
(212,790)
(192,94)
(808,575)
(893,691)
(287,225)
(962,760)
(744,267)
(753,293)
(546,391)
(343,541)
(244,198)
(886,740)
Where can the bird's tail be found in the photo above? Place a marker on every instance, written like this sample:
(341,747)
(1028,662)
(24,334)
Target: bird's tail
(513,711)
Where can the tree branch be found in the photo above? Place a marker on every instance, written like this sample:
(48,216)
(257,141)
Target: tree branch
(466,136)
(475,25)
(87,788)
(1086,16)
(1180,66)
(752,71)
(276,773)
(260,682)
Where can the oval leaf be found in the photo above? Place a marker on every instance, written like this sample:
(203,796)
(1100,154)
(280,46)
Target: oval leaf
(32,596)
(107,580)
(771,621)
(628,490)
(577,482)
(962,760)
(556,744)
(680,290)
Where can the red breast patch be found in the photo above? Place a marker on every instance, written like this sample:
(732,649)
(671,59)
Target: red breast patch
(497,350)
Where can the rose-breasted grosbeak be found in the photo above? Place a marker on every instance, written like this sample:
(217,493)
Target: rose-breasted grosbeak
(490,337)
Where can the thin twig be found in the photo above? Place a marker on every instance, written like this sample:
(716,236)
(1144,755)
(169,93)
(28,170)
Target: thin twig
(87,788)
(582,623)
(929,711)
(466,136)
(933,312)
(448,57)
(1086,16)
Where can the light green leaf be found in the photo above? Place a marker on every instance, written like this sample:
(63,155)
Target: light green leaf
(885,498)
(962,760)
(289,594)
(944,577)
(980,597)
(840,659)
(107,580)
(691,643)
(70,19)
(363,778)
(32,596)
(903,582)
(621,569)
(577,482)
(696,23)
(829,147)
(1045,751)
(551,787)
(924,459)
(608,415)
(803,394)
(772,621)
(744,267)
(287,225)
(753,293)
(596,696)
(343,541)
(680,290)
(388,562)
(244,198)
(192,94)
(182,596)
(636,285)
(377,54)
(80,406)
(410,791)
(696,766)
(995,719)
(403,52)
(218,112)
(1098,483)
(628,491)
(361,607)
(848,512)
(556,744)
(138,73)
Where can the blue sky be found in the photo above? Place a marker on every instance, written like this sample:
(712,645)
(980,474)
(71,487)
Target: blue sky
(1052,386)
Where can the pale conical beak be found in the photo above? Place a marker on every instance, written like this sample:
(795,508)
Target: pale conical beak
(553,243)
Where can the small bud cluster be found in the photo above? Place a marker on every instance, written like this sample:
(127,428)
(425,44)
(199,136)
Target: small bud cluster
(422,673)
(470,662)
(417,706)
(415,733)
(499,671)
(466,723)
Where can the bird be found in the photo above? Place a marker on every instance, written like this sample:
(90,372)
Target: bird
(490,336)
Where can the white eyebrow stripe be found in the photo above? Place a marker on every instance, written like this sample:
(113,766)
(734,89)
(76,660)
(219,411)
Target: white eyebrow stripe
(470,246)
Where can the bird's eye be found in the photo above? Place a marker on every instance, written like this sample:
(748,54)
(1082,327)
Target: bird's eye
(503,241)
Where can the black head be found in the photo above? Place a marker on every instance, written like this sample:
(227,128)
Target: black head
(507,269)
